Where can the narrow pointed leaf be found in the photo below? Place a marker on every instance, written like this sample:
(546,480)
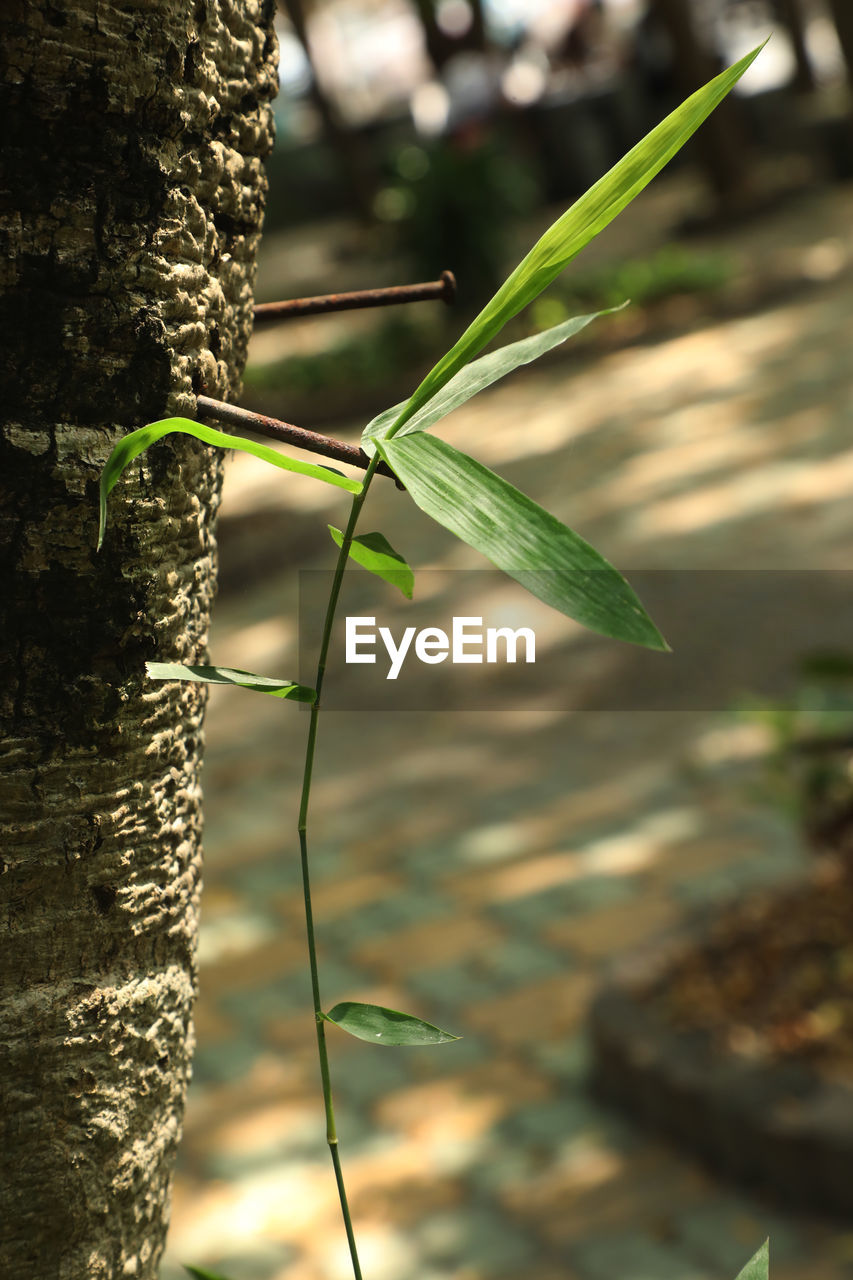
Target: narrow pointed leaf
(373,551)
(231,675)
(201,1273)
(136,442)
(575,229)
(520,537)
(475,377)
(385,1026)
(758,1267)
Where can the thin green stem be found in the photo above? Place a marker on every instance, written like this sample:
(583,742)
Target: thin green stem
(328,622)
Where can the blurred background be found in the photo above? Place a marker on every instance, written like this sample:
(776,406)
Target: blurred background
(638,920)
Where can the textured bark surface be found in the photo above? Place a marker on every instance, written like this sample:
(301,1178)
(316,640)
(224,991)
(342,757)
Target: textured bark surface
(131,202)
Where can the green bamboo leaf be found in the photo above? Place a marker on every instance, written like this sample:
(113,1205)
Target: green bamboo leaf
(233,676)
(575,229)
(520,537)
(385,1026)
(201,1273)
(758,1267)
(373,551)
(475,377)
(136,442)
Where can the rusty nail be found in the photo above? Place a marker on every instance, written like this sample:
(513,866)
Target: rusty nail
(233,416)
(444,289)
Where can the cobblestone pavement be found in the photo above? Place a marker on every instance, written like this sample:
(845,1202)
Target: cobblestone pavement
(484,868)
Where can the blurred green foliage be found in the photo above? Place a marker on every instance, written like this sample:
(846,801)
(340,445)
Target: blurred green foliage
(809,773)
(451,205)
(672,271)
(368,359)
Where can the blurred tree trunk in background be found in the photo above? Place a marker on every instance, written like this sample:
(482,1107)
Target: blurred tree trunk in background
(441,46)
(344,143)
(720,143)
(478,38)
(791,17)
(437,44)
(842,13)
(134,135)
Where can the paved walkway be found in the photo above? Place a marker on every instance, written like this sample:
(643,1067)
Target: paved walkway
(484,868)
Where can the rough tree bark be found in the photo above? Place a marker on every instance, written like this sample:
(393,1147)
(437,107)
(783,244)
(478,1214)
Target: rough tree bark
(135,132)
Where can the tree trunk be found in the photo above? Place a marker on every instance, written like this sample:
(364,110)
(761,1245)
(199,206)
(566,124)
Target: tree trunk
(478,37)
(791,16)
(134,137)
(345,143)
(441,47)
(438,47)
(720,143)
(842,14)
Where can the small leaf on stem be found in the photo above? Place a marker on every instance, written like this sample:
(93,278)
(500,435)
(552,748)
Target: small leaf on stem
(385,1026)
(275,687)
(373,551)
